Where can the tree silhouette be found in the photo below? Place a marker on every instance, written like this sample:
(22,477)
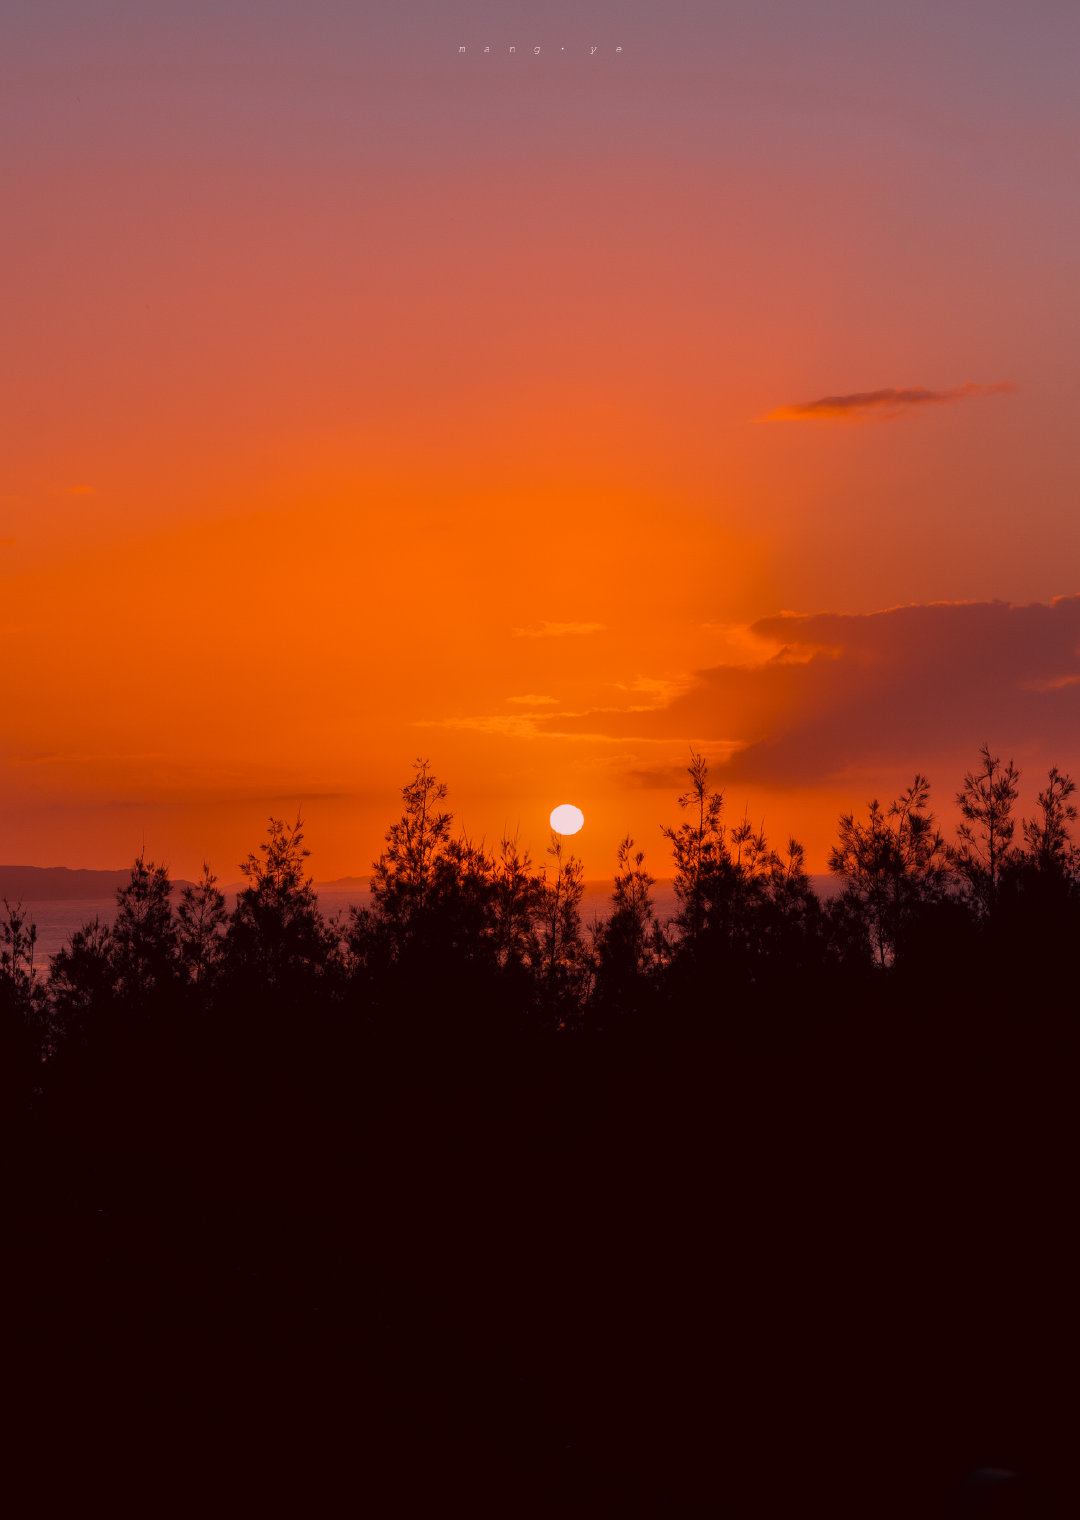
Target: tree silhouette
(747,882)
(789,881)
(985,836)
(699,850)
(891,864)
(471,943)
(632,907)
(144,950)
(1036,909)
(514,903)
(629,944)
(404,872)
(787,915)
(18,937)
(201,922)
(23,1028)
(276,934)
(82,983)
(558,914)
(457,909)
(1050,846)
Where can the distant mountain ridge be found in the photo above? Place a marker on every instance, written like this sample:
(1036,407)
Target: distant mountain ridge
(62,884)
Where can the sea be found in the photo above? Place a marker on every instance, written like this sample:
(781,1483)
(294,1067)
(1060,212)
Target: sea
(57,921)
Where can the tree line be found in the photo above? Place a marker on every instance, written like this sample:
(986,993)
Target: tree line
(456,935)
(369,1186)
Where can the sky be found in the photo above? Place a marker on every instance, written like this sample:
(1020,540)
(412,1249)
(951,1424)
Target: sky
(549,415)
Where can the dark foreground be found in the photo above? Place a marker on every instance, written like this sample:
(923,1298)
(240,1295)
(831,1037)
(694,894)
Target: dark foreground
(548,1276)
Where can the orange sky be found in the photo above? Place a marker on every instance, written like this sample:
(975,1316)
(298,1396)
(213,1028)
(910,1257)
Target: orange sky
(363,401)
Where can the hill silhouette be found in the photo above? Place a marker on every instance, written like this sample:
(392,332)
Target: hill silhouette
(63,883)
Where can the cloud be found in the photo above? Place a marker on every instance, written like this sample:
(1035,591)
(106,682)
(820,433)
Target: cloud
(872,694)
(555,630)
(511,725)
(533,701)
(881,406)
(657,690)
(522,725)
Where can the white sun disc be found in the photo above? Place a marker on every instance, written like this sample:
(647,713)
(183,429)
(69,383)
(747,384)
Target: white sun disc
(566,818)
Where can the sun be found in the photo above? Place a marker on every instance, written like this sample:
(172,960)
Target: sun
(566,818)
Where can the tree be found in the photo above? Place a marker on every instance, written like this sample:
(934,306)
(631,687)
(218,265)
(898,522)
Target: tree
(82,982)
(985,836)
(755,876)
(789,916)
(892,864)
(1036,916)
(276,934)
(562,951)
(448,938)
(18,936)
(1050,846)
(201,921)
(144,950)
(702,860)
(749,851)
(627,934)
(23,1034)
(403,874)
(789,882)
(514,901)
(456,914)
(628,942)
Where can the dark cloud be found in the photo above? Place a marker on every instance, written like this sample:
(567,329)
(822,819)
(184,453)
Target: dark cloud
(852,694)
(881,405)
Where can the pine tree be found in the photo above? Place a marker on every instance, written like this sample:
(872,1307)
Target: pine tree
(23,1026)
(628,942)
(985,836)
(276,936)
(564,962)
(1050,846)
(201,921)
(403,875)
(82,985)
(18,937)
(630,923)
(144,949)
(892,864)
(701,856)
(514,901)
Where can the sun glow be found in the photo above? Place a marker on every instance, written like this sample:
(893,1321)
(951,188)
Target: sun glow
(566,818)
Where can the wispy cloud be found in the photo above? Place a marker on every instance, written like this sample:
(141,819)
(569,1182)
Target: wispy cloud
(531,700)
(511,725)
(881,406)
(527,725)
(547,630)
(659,691)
